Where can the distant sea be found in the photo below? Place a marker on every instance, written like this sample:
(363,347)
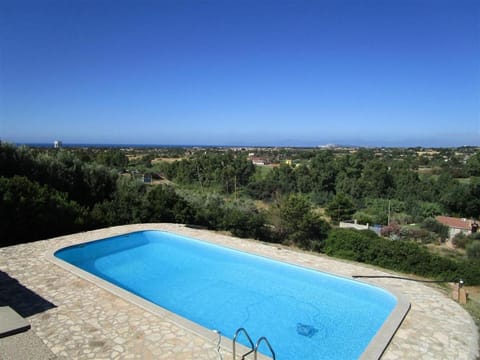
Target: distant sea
(245,146)
(118,146)
(145,146)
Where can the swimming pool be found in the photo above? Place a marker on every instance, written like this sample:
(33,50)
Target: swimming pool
(305,314)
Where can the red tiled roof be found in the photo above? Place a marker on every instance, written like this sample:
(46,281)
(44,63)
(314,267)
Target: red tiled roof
(453,222)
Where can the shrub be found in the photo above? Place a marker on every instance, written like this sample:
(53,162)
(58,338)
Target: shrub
(391,231)
(363,218)
(473,250)
(409,257)
(401,218)
(163,204)
(419,235)
(433,225)
(244,221)
(30,211)
(299,224)
(460,240)
(340,208)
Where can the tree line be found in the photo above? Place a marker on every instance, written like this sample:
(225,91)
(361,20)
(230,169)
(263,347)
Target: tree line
(50,193)
(46,193)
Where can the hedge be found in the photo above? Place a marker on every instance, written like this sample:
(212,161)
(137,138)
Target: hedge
(407,257)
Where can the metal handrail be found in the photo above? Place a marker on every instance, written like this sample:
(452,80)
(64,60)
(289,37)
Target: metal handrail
(219,340)
(235,341)
(263,338)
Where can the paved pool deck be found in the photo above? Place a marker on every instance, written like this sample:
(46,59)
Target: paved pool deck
(76,319)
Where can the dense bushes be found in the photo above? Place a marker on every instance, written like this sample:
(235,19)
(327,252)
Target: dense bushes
(408,257)
(45,193)
(87,184)
(48,193)
(30,211)
(462,240)
(213,211)
(340,208)
(163,204)
(245,221)
(434,226)
(125,207)
(298,224)
(430,231)
(225,171)
(473,250)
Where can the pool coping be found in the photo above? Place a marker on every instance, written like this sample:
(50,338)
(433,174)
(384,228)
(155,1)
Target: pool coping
(374,350)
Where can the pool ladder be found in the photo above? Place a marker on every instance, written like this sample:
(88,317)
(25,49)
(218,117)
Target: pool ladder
(253,349)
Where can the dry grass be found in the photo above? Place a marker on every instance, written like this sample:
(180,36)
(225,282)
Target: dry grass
(164,159)
(473,305)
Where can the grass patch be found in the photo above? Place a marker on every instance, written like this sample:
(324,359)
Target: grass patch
(465,181)
(442,250)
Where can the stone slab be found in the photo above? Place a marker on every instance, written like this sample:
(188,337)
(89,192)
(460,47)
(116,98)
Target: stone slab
(11,323)
(24,346)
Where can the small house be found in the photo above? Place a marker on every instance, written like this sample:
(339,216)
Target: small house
(258,161)
(456,225)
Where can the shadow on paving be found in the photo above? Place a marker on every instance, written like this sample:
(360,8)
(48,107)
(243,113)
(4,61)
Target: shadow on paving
(21,299)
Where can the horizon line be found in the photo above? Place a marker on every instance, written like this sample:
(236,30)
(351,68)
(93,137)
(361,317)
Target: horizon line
(152,145)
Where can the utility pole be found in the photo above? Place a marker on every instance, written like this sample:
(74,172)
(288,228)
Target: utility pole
(388,221)
(199,178)
(235,187)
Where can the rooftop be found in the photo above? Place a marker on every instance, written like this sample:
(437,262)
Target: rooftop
(74,318)
(453,222)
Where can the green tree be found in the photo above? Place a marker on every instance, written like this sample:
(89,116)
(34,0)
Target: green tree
(299,224)
(228,172)
(86,184)
(428,209)
(406,182)
(146,160)
(473,164)
(163,204)
(30,211)
(455,199)
(376,181)
(340,208)
(126,207)
(114,158)
(16,161)
(323,172)
(210,210)
(472,203)
(348,185)
(304,181)
(284,179)
(434,226)
(98,184)
(243,220)
(473,250)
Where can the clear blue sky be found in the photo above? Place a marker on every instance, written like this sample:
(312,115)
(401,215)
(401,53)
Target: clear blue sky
(260,72)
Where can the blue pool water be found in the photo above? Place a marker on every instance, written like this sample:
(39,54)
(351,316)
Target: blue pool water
(305,314)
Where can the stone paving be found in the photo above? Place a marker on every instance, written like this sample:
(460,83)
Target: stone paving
(77,319)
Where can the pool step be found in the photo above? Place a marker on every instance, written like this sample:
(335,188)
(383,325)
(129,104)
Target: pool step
(253,348)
